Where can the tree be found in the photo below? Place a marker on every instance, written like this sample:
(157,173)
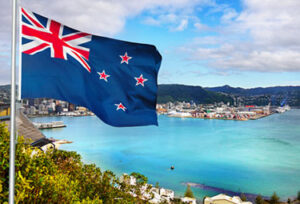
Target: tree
(274,199)
(189,193)
(140,179)
(298,196)
(157,185)
(57,177)
(243,197)
(259,200)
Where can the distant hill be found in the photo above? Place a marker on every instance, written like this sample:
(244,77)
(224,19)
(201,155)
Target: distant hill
(176,92)
(255,91)
(4,88)
(276,95)
(4,94)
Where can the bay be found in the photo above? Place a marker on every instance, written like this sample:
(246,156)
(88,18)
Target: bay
(256,156)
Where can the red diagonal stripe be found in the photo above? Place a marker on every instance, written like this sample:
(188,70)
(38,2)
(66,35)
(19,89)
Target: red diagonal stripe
(37,48)
(26,30)
(75,36)
(82,60)
(36,23)
(84,53)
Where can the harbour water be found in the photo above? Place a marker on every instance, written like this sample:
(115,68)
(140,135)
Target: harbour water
(256,156)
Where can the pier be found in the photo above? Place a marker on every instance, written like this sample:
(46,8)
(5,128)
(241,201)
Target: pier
(55,124)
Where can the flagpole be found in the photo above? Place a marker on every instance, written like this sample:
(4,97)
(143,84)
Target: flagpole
(12,107)
(20,54)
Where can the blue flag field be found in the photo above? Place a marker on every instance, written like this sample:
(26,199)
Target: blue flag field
(117,80)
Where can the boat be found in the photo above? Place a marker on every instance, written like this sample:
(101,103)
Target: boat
(280,110)
(283,109)
(287,108)
(179,114)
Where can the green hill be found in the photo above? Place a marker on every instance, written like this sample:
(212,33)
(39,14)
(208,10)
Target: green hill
(176,92)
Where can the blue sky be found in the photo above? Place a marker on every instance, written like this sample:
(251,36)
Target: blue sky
(247,43)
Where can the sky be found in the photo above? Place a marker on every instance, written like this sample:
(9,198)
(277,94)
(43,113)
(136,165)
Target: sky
(241,43)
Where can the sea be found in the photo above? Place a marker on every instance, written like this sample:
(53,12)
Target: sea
(215,156)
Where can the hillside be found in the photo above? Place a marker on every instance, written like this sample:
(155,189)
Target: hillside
(255,91)
(176,92)
(4,94)
(276,95)
(4,88)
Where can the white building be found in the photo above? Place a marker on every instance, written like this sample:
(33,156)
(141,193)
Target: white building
(32,110)
(157,195)
(161,195)
(188,200)
(224,199)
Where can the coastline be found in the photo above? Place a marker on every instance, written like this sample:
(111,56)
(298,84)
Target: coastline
(216,118)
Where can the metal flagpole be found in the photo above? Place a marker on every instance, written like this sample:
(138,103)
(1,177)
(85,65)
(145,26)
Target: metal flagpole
(20,55)
(12,107)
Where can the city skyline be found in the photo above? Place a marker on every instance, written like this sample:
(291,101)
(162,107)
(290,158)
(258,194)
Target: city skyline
(203,42)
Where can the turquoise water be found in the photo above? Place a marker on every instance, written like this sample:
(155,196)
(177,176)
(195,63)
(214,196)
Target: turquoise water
(256,156)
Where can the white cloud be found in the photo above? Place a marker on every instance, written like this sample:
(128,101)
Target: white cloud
(264,37)
(229,15)
(201,27)
(107,17)
(162,19)
(100,17)
(183,25)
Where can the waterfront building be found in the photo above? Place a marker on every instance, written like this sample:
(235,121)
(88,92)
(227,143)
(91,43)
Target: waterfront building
(179,114)
(32,110)
(224,199)
(188,200)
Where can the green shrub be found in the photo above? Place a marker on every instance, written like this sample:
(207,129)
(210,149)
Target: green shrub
(58,177)
(189,192)
(243,197)
(274,199)
(259,200)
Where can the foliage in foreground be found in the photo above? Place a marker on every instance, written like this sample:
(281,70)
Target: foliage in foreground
(58,177)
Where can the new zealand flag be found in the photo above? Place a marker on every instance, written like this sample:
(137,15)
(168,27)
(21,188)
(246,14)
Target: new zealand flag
(117,80)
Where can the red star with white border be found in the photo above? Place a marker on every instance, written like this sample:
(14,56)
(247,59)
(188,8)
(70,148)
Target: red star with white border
(125,58)
(120,106)
(103,75)
(140,80)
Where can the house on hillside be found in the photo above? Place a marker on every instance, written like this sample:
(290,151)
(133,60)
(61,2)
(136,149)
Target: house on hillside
(224,199)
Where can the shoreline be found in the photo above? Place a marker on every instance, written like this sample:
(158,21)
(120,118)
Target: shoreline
(214,118)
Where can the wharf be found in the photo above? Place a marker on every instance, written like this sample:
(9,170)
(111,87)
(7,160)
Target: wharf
(55,124)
